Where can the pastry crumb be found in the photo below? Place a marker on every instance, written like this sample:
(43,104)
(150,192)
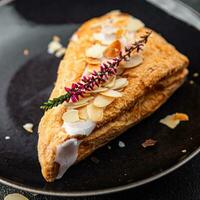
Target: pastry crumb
(184,151)
(109,147)
(121,144)
(172,121)
(26,52)
(149,143)
(95,160)
(191,82)
(7,137)
(28,127)
(195,74)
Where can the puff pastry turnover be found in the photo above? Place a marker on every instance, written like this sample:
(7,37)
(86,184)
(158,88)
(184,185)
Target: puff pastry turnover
(71,131)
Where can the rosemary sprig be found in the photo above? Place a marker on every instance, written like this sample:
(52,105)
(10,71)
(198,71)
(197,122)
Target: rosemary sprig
(95,79)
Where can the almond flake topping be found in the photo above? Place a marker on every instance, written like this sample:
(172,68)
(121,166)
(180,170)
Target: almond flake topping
(95,51)
(113,50)
(80,103)
(112,93)
(120,83)
(173,120)
(133,61)
(83,113)
(94,113)
(103,101)
(71,116)
(134,24)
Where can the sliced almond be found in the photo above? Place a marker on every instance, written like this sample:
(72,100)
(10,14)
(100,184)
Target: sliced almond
(94,113)
(54,46)
(173,120)
(113,50)
(93,61)
(103,101)
(105,39)
(120,83)
(83,113)
(95,51)
(181,116)
(71,116)
(98,90)
(82,102)
(110,83)
(28,127)
(133,62)
(134,24)
(112,93)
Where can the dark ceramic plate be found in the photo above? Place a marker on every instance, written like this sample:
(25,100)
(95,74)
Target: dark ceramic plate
(26,81)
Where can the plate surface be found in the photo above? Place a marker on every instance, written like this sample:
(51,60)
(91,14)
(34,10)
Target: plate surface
(26,81)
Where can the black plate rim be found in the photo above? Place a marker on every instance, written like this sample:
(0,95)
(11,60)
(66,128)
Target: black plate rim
(102,191)
(112,189)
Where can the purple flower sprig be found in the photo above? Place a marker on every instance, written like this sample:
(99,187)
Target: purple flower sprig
(96,78)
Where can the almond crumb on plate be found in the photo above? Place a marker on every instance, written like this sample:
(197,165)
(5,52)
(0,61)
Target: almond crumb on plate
(149,143)
(26,52)
(173,120)
(121,144)
(7,137)
(184,151)
(56,38)
(195,74)
(191,82)
(15,196)
(28,127)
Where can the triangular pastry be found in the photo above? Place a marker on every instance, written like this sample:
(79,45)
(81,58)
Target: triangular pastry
(72,130)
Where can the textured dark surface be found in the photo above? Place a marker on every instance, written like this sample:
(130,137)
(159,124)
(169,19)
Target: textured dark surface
(27,73)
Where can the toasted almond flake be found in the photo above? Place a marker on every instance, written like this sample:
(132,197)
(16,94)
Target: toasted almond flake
(26,52)
(113,50)
(15,196)
(112,93)
(91,68)
(95,51)
(110,83)
(60,52)
(56,38)
(53,47)
(120,83)
(93,61)
(105,39)
(71,116)
(82,102)
(98,90)
(134,24)
(28,127)
(94,113)
(107,28)
(133,62)
(173,120)
(127,38)
(149,143)
(83,113)
(103,101)
(181,116)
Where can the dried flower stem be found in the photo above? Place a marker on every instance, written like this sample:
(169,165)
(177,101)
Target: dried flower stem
(95,79)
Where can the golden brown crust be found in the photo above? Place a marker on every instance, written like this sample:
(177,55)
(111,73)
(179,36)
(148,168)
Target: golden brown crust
(149,87)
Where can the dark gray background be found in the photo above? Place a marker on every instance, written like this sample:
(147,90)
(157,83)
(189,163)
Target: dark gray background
(181,184)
